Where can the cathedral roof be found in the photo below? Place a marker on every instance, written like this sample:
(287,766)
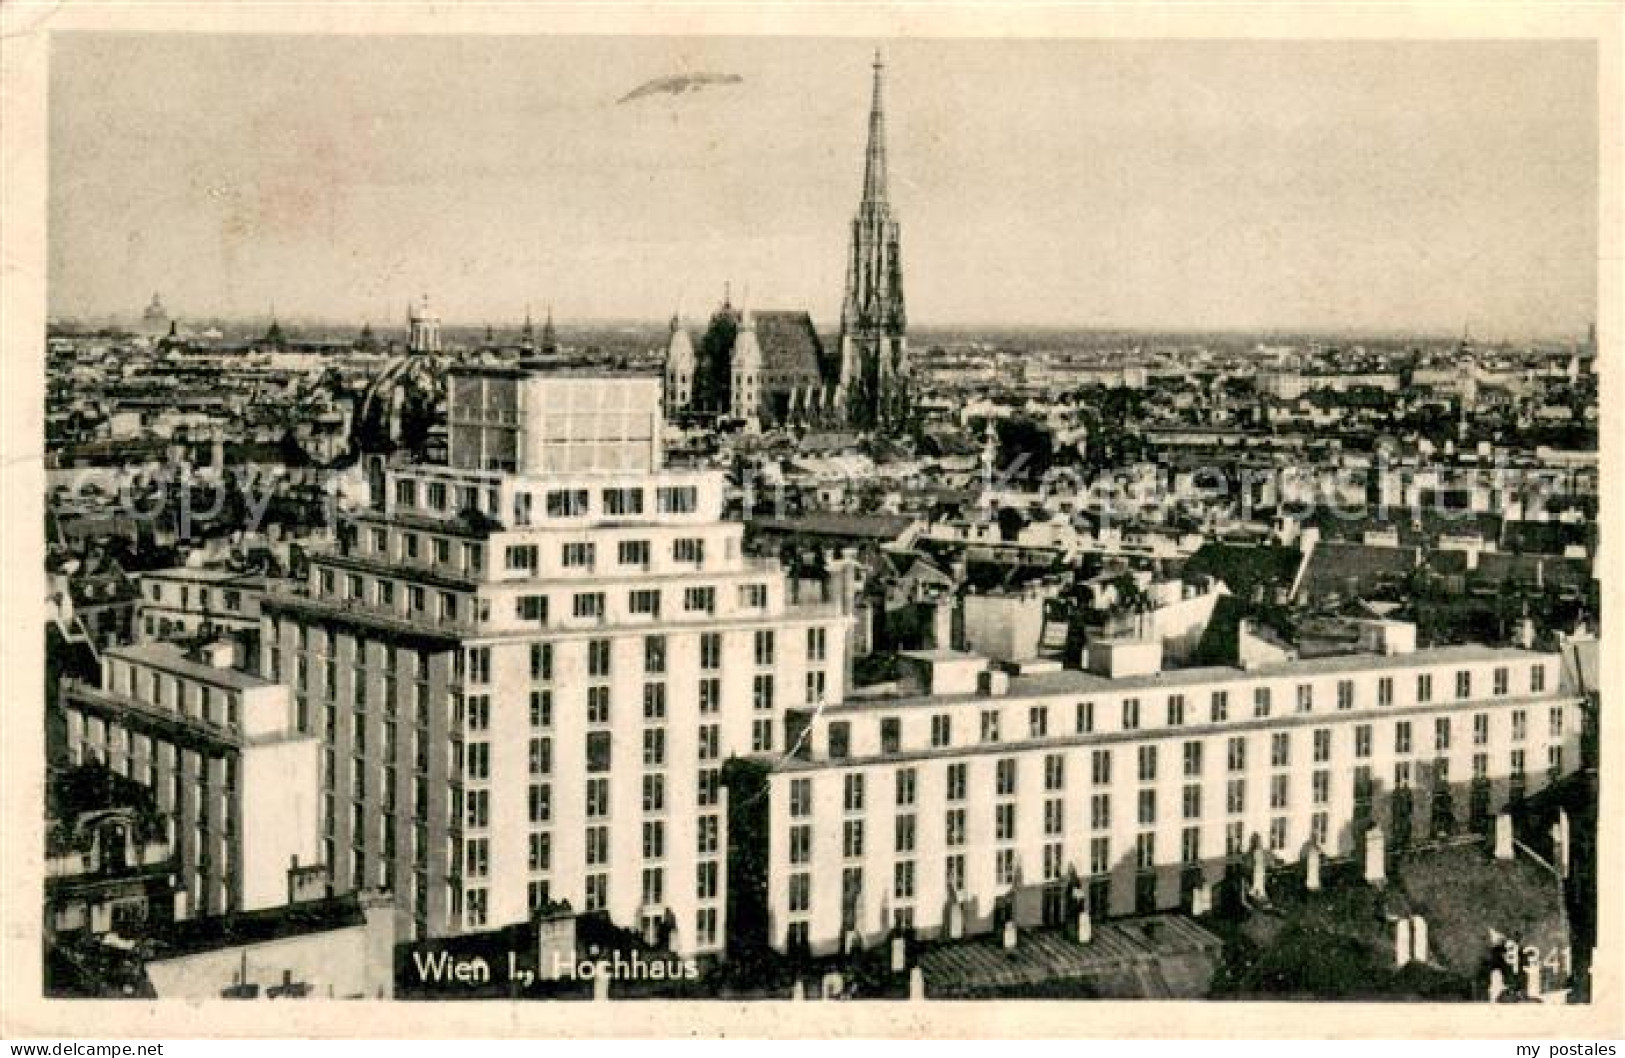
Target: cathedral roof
(790,344)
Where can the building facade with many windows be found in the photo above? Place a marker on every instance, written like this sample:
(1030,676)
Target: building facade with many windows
(221,752)
(527,668)
(1005,797)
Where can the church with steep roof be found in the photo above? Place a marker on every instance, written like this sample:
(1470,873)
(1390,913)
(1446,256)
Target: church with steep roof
(763,370)
(760,370)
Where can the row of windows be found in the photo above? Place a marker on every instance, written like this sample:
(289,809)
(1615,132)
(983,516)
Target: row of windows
(1191,759)
(1219,706)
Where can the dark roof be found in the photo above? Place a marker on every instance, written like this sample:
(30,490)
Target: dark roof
(1340,567)
(1495,567)
(1242,567)
(258,927)
(790,345)
(1547,538)
(852,526)
(1166,957)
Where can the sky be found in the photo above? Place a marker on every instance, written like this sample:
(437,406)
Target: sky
(1411,187)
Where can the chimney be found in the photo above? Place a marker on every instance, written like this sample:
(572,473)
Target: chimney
(1503,837)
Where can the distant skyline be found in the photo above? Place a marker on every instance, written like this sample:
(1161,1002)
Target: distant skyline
(1380,187)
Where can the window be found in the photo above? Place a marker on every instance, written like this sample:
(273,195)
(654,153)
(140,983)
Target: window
(1520,725)
(1323,745)
(522,557)
(1441,733)
(1004,821)
(990,725)
(1131,713)
(1235,796)
(633,553)
(1306,697)
(644,602)
(700,600)
(1100,767)
(540,802)
(598,751)
(598,657)
(1555,721)
(1054,772)
(1402,737)
(1321,784)
(761,736)
(1085,717)
(1280,749)
(541,661)
(1500,681)
(711,651)
(852,792)
(680,499)
(1345,694)
(1192,760)
(801,843)
(1261,701)
(1362,740)
(1148,763)
(566,503)
(852,838)
(541,756)
(688,549)
(1424,687)
(1278,790)
(1176,710)
(800,798)
(1481,729)
(753,596)
(941,729)
(1037,721)
(1191,802)
(762,691)
(1005,777)
(1054,816)
(1100,811)
(654,747)
(1537,678)
(654,655)
(619,502)
(588,604)
(891,734)
(597,798)
(764,643)
(954,827)
(532,608)
(1385,690)
(905,786)
(817,644)
(1236,753)
(1464,683)
(1219,707)
(956,781)
(654,789)
(597,705)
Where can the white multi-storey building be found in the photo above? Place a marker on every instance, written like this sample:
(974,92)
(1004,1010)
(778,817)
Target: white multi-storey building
(225,761)
(1008,793)
(528,667)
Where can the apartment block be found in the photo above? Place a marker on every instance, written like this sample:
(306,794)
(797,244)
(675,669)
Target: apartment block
(224,758)
(1002,792)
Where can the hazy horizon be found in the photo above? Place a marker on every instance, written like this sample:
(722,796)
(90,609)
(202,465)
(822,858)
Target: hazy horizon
(1289,188)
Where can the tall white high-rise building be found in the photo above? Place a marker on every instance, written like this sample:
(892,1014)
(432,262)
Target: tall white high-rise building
(529,666)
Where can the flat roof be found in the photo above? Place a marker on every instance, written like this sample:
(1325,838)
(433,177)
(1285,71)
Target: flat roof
(170,658)
(1079,682)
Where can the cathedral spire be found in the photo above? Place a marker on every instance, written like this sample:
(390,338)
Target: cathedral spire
(874,159)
